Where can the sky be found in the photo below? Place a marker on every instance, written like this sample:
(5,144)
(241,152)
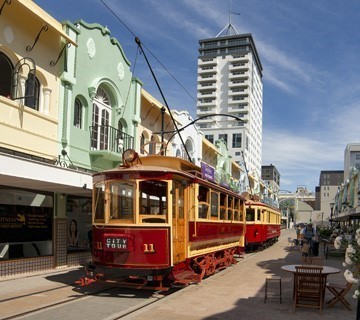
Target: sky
(309,50)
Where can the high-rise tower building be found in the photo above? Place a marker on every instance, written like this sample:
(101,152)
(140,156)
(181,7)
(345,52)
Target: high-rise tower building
(230,82)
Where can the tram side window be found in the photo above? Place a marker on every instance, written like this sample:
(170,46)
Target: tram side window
(237,210)
(214,205)
(178,199)
(99,201)
(122,201)
(250,214)
(153,200)
(223,207)
(203,198)
(230,208)
(258,216)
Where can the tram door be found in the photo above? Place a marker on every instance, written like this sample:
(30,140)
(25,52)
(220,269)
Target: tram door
(178,230)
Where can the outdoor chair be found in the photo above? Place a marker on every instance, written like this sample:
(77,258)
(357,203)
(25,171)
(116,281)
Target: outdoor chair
(339,291)
(308,287)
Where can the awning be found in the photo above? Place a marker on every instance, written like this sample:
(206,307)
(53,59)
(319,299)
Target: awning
(43,16)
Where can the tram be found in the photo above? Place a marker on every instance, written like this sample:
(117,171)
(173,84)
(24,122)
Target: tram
(263,225)
(158,221)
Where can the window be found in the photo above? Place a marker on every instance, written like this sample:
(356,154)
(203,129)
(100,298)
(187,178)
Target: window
(223,137)
(78,114)
(214,205)
(142,143)
(250,214)
(100,120)
(203,198)
(152,145)
(6,70)
(236,141)
(99,201)
(209,137)
(153,201)
(122,201)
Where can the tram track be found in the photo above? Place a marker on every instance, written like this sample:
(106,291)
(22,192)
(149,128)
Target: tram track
(33,298)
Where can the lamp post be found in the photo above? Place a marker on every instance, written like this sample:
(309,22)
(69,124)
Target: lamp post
(322,218)
(331,213)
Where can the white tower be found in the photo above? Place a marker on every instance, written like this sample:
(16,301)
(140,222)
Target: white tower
(230,82)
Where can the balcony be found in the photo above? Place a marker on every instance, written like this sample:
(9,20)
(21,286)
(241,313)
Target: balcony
(206,78)
(238,100)
(238,84)
(206,94)
(238,91)
(108,142)
(207,62)
(206,86)
(238,75)
(207,70)
(238,67)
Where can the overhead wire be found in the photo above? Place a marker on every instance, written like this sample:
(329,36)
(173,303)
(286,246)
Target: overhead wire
(154,56)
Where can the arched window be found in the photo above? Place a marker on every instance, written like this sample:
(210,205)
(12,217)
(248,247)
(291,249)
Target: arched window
(100,120)
(78,113)
(6,71)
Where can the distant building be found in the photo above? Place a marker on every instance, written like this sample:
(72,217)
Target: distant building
(329,183)
(271,176)
(230,82)
(351,159)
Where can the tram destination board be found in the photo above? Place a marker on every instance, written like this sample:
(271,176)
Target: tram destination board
(118,243)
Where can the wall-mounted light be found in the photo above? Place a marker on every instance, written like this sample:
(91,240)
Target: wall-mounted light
(84,186)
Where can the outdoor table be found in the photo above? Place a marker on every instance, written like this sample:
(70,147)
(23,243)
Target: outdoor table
(325,272)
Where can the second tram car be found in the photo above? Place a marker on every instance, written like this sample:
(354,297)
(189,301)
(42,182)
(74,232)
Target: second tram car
(157,220)
(263,224)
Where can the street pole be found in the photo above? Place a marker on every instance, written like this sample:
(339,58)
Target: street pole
(287,217)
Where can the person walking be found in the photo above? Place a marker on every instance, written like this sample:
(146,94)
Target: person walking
(309,235)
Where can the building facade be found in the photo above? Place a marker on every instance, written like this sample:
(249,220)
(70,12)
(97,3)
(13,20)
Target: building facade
(69,106)
(346,206)
(329,183)
(229,82)
(33,182)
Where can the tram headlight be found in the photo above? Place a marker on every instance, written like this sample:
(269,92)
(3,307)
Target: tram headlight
(130,156)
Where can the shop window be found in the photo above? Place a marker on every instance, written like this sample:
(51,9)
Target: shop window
(78,212)
(25,224)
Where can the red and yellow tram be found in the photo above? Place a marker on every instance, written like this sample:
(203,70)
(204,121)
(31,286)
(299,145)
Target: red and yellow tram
(263,224)
(156,220)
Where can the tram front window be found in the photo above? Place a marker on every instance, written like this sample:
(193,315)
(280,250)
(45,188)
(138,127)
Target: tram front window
(99,201)
(250,214)
(122,201)
(153,201)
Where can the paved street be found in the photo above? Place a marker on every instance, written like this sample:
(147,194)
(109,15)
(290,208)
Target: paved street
(235,293)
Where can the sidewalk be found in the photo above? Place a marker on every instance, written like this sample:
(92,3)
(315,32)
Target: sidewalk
(238,292)
(234,293)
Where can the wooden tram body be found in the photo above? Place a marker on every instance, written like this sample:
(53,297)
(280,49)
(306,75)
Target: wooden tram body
(157,220)
(263,224)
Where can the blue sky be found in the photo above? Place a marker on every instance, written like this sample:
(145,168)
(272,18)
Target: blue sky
(310,52)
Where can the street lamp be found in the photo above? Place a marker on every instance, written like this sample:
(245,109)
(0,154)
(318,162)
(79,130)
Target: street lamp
(322,218)
(331,213)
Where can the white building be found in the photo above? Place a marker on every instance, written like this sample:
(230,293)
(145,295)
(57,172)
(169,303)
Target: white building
(230,82)
(351,159)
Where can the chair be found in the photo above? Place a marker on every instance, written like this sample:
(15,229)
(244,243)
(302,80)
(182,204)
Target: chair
(267,281)
(312,261)
(339,291)
(308,291)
